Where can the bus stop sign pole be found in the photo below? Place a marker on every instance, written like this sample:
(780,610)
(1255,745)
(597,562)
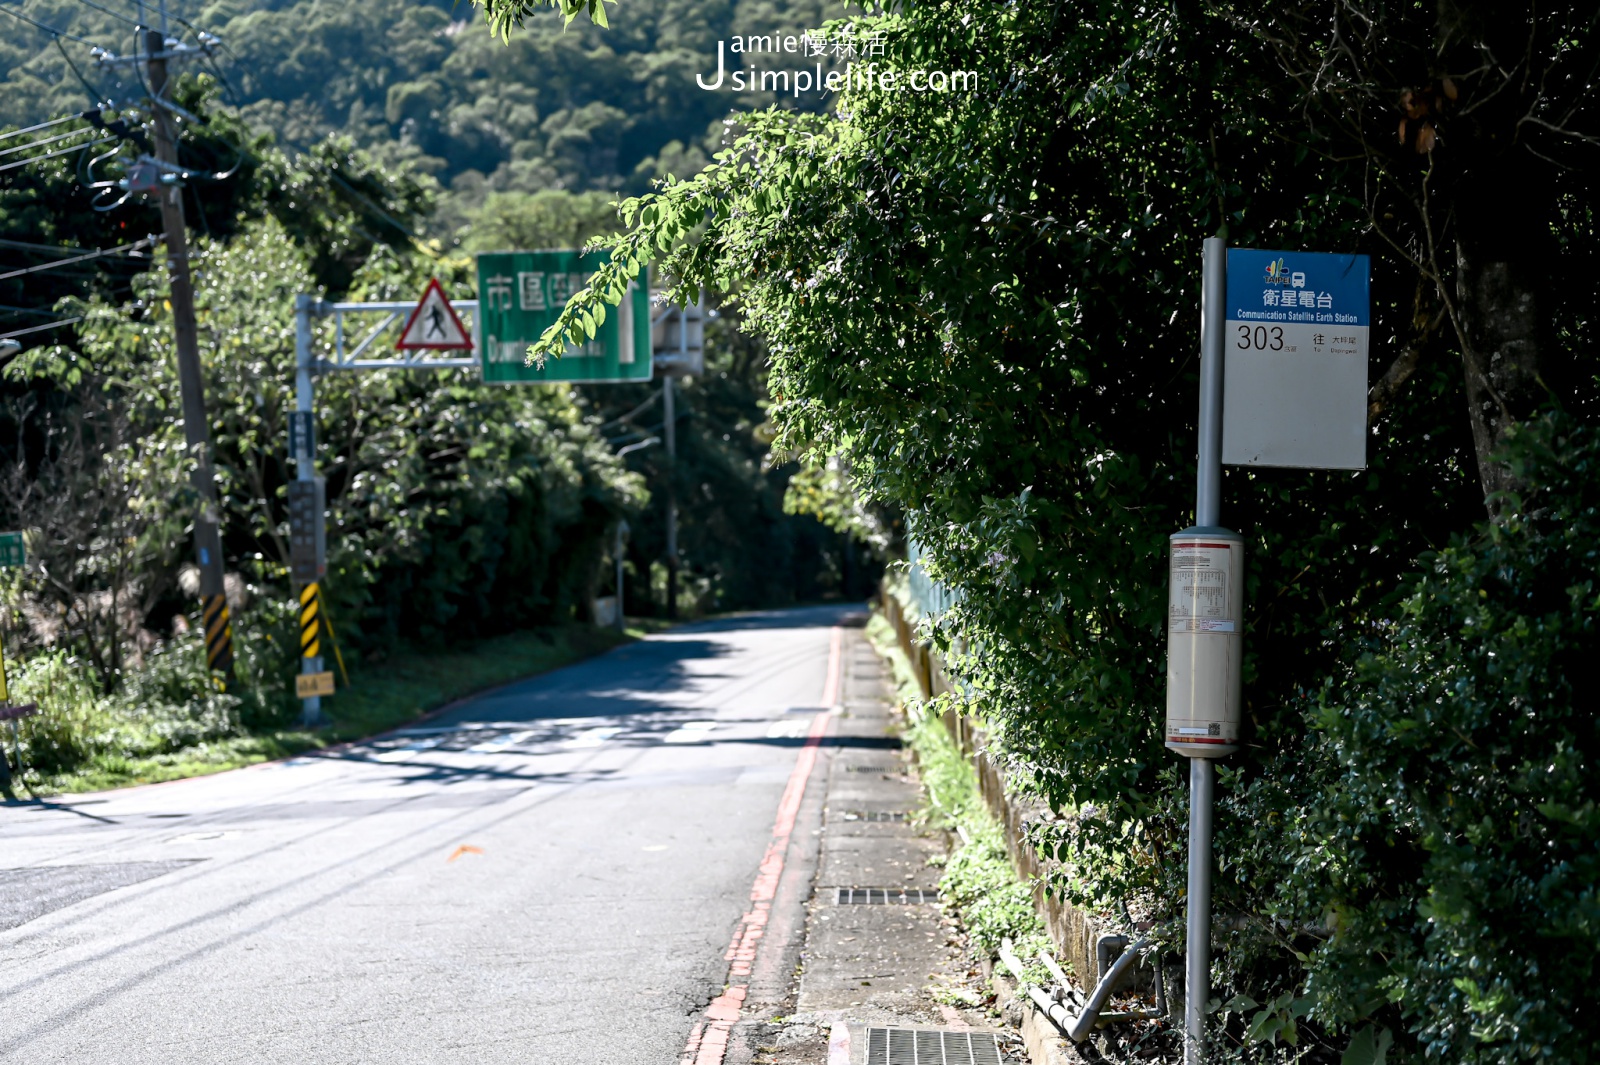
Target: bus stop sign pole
(1208,507)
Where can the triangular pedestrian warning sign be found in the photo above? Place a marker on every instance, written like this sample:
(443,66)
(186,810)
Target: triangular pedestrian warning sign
(433,324)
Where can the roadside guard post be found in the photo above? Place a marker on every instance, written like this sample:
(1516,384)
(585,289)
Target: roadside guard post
(1283,382)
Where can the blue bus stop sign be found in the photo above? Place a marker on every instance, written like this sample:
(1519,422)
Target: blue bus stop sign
(1294,382)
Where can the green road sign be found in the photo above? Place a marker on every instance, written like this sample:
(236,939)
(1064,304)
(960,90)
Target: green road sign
(520,293)
(11,550)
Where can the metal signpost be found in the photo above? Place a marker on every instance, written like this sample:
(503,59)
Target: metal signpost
(678,335)
(1283,372)
(521,293)
(307,493)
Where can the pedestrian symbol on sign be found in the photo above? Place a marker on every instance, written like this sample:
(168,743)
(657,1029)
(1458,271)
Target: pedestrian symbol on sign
(434,325)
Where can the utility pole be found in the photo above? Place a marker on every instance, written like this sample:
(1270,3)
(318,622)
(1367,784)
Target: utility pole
(671,416)
(196,430)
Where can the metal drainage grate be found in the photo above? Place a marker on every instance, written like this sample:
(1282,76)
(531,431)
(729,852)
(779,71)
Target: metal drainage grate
(921,1046)
(877,896)
(875,815)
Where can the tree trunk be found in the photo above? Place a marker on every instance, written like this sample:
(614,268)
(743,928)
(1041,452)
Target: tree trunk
(1503,202)
(1500,351)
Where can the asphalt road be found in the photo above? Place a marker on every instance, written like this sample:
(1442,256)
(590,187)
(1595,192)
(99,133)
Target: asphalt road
(549,873)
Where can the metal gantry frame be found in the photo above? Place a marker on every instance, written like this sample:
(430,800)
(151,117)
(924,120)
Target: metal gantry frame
(351,344)
(347,356)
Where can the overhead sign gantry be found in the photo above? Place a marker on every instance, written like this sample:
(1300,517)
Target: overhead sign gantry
(522,292)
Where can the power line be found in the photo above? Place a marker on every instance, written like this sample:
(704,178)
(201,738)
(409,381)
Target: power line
(38,328)
(106,10)
(26,310)
(45,125)
(58,249)
(46,140)
(55,249)
(125,249)
(48,29)
(52,155)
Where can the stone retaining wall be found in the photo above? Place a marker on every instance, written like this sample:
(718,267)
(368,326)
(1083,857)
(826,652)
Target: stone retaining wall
(1072,931)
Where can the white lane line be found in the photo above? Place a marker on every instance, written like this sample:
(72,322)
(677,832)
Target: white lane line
(788,730)
(690,732)
(500,743)
(484,726)
(403,753)
(593,737)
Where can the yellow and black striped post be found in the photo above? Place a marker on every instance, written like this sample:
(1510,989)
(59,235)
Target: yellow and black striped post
(219,636)
(311,621)
(311,654)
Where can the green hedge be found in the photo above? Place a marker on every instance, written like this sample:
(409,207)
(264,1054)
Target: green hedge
(1459,858)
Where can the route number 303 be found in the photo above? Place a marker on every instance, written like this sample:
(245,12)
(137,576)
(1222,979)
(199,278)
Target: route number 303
(1261,338)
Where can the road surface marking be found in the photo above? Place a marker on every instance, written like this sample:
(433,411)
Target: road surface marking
(408,750)
(594,737)
(790,729)
(690,732)
(499,743)
(201,837)
(465,848)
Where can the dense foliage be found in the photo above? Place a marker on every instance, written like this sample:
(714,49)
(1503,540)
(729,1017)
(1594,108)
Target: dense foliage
(455,510)
(986,303)
(1462,845)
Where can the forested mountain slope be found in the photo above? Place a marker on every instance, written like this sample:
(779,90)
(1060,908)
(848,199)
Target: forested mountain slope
(569,108)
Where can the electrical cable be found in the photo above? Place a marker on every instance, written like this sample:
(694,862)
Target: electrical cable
(56,249)
(26,310)
(48,29)
(126,249)
(43,125)
(47,140)
(90,89)
(38,328)
(113,14)
(52,155)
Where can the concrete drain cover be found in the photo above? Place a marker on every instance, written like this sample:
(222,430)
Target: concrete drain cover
(925,1046)
(875,815)
(877,896)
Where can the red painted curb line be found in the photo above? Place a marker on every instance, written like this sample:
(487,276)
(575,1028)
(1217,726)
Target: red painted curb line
(708,1042)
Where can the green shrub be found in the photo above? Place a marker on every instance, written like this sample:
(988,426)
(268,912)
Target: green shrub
(1460,858)
(979,883)
(73,724)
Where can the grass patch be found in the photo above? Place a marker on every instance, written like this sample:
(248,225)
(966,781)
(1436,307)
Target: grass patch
(381,696)
(979,883)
